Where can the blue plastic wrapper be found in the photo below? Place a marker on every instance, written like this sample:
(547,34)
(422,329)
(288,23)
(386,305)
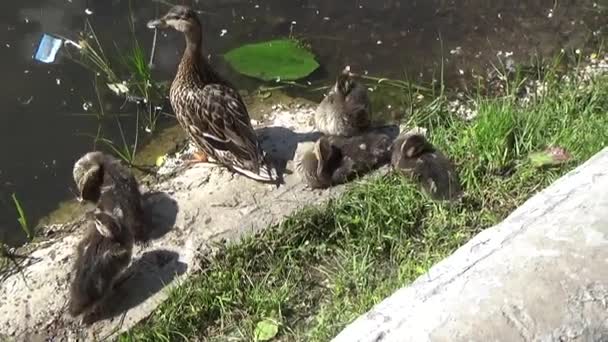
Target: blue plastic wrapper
(47,49)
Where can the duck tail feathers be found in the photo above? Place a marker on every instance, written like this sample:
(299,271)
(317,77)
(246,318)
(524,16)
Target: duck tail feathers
(266,174)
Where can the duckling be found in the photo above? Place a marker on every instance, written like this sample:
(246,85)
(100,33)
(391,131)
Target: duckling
(103,180)
(413,156)
(335,160)
(346,110)
(102,256)
(209,108)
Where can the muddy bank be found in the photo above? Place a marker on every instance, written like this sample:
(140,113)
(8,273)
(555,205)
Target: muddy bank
(187,210)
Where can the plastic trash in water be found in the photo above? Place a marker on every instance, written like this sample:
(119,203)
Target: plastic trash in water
(48,48)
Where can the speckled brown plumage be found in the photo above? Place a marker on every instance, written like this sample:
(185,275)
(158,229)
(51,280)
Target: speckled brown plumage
(101,257)
(209,109)
(103,180)
(413,156)
(336,160)
(346,110)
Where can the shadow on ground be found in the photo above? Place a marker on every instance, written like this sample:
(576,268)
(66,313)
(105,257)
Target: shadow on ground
(145,277)
(281,144)
(160,211)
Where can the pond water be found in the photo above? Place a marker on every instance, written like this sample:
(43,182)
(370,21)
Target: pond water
(44,126)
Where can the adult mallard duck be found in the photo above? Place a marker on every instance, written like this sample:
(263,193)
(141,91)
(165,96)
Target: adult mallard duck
(346,110)
(209,109)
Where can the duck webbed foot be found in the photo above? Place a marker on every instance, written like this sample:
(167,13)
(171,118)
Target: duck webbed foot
(197,157)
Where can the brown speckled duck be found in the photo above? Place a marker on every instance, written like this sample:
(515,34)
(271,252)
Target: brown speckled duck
(102,256)
(209,109)
(103,180)
(415,157)
(346,110)
(335,160)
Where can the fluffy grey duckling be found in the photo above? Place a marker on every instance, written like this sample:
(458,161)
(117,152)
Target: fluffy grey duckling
(335,160)
(346,110)
(413,156)
(102,255)
(103,180)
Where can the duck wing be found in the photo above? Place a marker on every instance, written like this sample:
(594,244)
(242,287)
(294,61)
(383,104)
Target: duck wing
(220,124)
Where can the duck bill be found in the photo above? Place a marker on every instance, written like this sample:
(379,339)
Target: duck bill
(157,24)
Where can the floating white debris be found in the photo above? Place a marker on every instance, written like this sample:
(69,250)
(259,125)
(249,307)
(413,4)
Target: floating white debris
(223,32)
(73,43)
(118,88)
(88,11)
(58,81)
(47,49)
(87,105)
(550,13)
(379,42)
(28,101)
(508,54)
(457,51)
(460,71)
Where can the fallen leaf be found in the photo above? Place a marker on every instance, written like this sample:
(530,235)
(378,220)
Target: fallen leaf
(160,160)
(266,330)
(550,157)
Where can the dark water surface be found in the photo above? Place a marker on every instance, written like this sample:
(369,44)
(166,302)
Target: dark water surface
(43,129)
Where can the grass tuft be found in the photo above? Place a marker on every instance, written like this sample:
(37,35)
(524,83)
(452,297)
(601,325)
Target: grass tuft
(22,218)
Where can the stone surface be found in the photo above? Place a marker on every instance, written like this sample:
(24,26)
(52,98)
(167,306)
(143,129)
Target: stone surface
(189,209)
(540,275)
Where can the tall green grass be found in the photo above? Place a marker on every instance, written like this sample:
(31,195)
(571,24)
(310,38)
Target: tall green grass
(22,218)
